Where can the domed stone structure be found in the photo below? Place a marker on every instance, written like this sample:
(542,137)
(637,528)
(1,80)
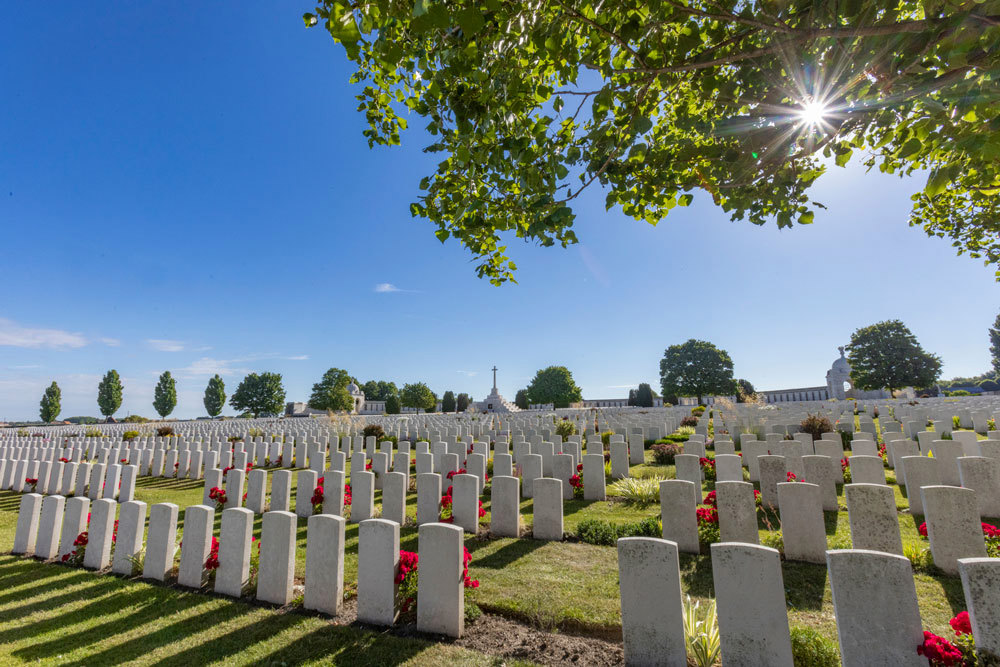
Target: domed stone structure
(837,376)
(358,396)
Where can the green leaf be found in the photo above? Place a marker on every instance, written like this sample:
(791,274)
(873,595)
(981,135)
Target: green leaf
(806,218)
(442,235)
(842,158)
(685,200)
(909,148)
(937,181)
(470,20)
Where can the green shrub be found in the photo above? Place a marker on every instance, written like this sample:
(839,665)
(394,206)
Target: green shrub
(816,426)
(811,649)
(255,432)
(565,429)
(606,438)
(165,431)
(374,430)
(641,490)
(698,411)
(135,419)
(598,531)
(664,453)
(93,433)
(130,435)
(958,392)
(689,421)
(773,539)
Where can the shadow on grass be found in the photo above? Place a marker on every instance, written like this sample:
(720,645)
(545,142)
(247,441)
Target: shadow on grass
(505,555)
(168,483)
(363,646)
(805,584)
(831,520)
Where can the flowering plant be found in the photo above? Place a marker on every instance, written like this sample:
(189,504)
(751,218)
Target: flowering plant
(577,485)
(406,580)
(990,533)
(447,515)
(790,477)
(75,557)
(317,497)
(708,467)
(219,496)
(32,482)
(708,525)
(64,459)
(347,495)
(452,473)
(845,468)
(942,653)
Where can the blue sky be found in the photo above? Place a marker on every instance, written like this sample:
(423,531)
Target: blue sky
(188,189)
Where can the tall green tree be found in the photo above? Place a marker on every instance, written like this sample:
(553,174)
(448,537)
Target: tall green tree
(392,406)
(379,390)
(109,393)
(521,399)
(744,390)
(554,385)
(995,345)
(644,395)
(418,395)
(696,368)
(528,105)
(262,395)
(330,393)
(448,401)
(886,355)
(215,396)
(51,404)
(165,395)
(462,402)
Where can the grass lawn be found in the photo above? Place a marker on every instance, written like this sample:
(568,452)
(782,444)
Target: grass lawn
(57,614)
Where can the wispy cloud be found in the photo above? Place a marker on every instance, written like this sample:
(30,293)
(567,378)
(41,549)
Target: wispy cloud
(468,373)
(207,366)
(110,342)
(164,345)
(24,367)
(15,335)
(384,288)
(623,386)
(298,357)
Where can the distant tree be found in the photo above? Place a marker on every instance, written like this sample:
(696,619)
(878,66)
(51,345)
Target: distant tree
(989,385)
(331,393)
(165,395)
(448,402)
(109,393)
(215,396)
(521,399)
(260,395)
(554,385)
(462,402)
(392,405)
(379,390)
(633,397)
(744,390)
(644,396)
(887,355)
(51,404)
(418,395)
(995,345)
(696,368)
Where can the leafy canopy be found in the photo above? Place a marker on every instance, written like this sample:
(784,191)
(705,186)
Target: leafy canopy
(521,399)
(165,394)
(259,394)
(331,393)
(462,402)
(379,390)
(747,102)
(554,385)
(995,345)
(644,395)
(109,393)
(696,368)
(887,355)
(418,395)
(51,403)
(215,396)
(448,403)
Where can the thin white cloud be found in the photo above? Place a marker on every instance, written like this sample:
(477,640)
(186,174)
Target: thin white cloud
(207,366)
(384,288)
(164,345)
(15,335)
(468,373)
(110,342)
(299,357)
(24,367)
(623,386)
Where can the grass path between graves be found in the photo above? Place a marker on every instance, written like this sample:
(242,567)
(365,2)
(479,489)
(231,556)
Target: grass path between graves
(56,614)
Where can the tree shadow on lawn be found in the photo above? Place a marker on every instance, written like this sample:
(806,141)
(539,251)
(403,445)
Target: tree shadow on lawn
(15,570)
(169,483)
(830,522)
(805,584)
(357,644)
(56,584)
(505,555)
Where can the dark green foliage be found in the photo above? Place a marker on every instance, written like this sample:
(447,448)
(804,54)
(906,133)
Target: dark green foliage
(215,396)
(887,355)
(109,393)
(135,419)
(644,395)
(995,345)
(374,430)
(689,420)
(379,390)
(744,390)
(696,368)
(448,402)
(51,403)
(633,397)
(521,399)
(554,385)
(418,395)
(392,406)
(462,402)
(598,531)
(811,649)
(565,428)
(816,426)
(664,453)
(165,395)
(82,420)
(331,393)
(165,431)
(261,395)
(989,385)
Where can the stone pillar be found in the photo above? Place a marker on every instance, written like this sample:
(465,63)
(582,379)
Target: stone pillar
(947,453)
(750,595)
(548,509)
(919,471)
(981,583)
(281,490)
(74,522)
(234,487)
(619,460)
(440,586)
(505,506)
(817,469)
(728,468)
(333,492)
(394,497)
(324,589)
(131,526)
(871,512)
(593,477)
(161,541)
(465,502)
(772,473)
(737,512)
(99,534)
(531,470)
(803,529)
(563,469)
(50,527)
(196,544)
(503,465)
(95,489)
(256,490)
(277,558)
(652,613)
(126,492)
(875,602)
(235,533)
(689,470)
(305,487)
(897,449)
(475,464)
(677,514)
(428,497)
(362,497)
(378,564)
(636,450)
(68,483)
(953,525)
(982,475)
